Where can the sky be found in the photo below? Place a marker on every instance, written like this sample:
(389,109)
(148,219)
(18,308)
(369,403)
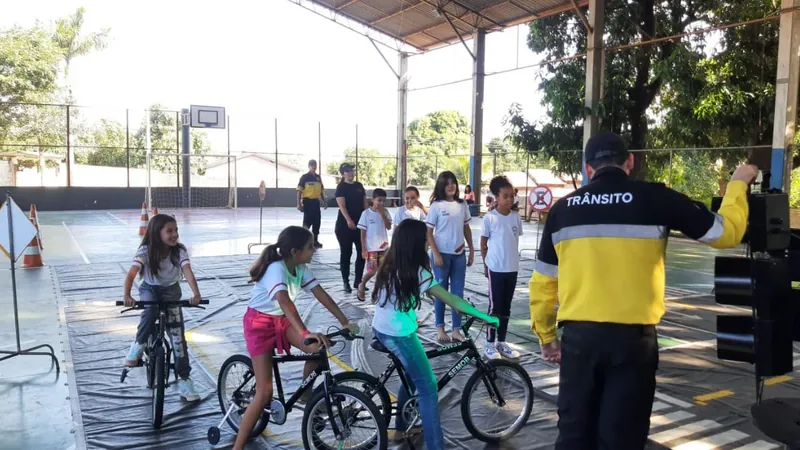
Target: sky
(268,60)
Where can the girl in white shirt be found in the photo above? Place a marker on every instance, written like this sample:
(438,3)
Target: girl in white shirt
(448,227)
(411,209)
(272,321)
(401,280)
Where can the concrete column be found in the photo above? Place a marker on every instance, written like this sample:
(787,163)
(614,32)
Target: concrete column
(186,147)
(786,86)
(476,138)
(402,118)
(594,74)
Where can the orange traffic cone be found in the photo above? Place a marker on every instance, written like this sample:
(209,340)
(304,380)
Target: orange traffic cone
(35,221)
(33,257)
(144,220)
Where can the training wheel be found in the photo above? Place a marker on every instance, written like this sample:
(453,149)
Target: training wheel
(213,435)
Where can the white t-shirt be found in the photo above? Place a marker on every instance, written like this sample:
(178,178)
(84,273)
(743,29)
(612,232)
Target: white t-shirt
(447,220)
(263,297)
(168,273)
(371,221)
(393,322)
(404,213)
(503,233)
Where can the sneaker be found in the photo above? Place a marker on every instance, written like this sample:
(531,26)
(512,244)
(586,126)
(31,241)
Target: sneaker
(507,351)
(347,287)
(186,388)
(134,354)
(491,351)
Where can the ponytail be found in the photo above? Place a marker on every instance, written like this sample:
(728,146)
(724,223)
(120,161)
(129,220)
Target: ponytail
(291,238)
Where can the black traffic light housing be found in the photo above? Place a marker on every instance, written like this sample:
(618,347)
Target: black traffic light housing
(761,281)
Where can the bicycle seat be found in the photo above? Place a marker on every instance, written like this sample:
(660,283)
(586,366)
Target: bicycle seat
(377,346)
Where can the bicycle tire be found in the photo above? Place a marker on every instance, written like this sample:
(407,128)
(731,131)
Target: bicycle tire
(365,379)
(477,377)
(159,374)
(262,422)
(319,396)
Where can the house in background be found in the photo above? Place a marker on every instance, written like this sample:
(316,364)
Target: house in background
(252,168)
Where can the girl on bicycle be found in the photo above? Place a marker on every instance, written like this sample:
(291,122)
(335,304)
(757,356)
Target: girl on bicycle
(159,261)
(399,284)
(272,321)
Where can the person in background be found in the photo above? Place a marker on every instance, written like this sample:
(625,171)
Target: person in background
(515,206)
(491,202)
(352,201)
(159,261)
(469,196)
(402,279)
(602,258)
(310,192)
(448,227)
(373,224)
(412,208)
(502,228)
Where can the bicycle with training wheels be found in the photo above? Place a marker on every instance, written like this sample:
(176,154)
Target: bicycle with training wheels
(157,354)
(487,375)
(333,419)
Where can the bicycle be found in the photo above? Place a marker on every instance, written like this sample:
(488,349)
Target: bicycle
(485,372)
(235,392)
(157,355)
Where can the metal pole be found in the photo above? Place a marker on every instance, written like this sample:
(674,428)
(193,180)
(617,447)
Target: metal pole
(128,145)
(12,256)
(147,157)
(276,153)
(594,70)
(402,110)
(669,181)
(357,169)
(476,140)
(186,142)
(527,180)
(69,152)
(228,126)
(319,147)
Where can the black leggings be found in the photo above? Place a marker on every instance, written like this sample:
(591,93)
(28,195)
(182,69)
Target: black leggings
(312,216)
(501,292)
(347,238)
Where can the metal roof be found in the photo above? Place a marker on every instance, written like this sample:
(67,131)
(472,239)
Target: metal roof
(429,24)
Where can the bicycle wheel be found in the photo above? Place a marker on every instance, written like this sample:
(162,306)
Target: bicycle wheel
(237,384)
(159,377)
(349,406)
(370,386)
(512,382)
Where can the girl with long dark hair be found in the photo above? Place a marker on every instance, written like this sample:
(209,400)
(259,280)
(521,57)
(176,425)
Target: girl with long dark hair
(448,228)
(402,278)
(272,322)
(160,261)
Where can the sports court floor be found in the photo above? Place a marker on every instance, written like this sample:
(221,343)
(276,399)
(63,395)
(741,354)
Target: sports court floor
(701,403)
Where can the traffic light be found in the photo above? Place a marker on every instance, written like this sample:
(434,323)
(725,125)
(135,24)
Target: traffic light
(761,281)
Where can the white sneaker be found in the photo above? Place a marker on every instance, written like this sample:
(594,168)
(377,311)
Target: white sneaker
(134,354)
(186,388)
(507,351)
(491,351)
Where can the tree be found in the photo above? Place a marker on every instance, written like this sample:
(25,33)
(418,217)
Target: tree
(373,169)
(436,142)
(67,37)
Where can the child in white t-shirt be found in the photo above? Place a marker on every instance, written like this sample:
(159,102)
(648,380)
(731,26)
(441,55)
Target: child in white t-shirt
(399,284)
(272,322)
(502,228)
(412,208)
(374,241)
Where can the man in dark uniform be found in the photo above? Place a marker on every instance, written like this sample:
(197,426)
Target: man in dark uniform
(601,258)
(310,192)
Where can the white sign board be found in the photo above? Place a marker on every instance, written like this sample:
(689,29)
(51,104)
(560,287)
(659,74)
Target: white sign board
(23,229)
(541,198)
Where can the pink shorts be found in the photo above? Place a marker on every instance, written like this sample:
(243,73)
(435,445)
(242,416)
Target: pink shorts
(265,333)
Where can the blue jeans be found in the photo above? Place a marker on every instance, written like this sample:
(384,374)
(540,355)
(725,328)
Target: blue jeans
(174,325)
(451,277)
(417,367)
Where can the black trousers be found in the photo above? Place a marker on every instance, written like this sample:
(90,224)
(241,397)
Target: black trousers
(312,216)
(501,292)
(607,384)
(347,238)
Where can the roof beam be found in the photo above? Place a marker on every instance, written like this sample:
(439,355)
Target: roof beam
(581,16)
(346,4)
(397,13)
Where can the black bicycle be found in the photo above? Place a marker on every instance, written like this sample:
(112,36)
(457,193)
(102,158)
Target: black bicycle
(335,417)
(474,404)
(157,355)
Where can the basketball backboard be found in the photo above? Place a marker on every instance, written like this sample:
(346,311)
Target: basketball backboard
(207,116)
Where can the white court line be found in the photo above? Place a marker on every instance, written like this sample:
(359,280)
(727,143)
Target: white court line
(83,255)
(673,400)
(658,406)
(117,218)
(667,419)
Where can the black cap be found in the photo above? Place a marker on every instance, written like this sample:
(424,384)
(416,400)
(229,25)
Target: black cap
(604,145)
(312,162)
(346,167)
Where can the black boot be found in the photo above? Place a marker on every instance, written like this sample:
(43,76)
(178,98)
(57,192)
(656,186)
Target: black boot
(347,287)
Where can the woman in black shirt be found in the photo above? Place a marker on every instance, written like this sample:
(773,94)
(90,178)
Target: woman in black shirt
(352,201)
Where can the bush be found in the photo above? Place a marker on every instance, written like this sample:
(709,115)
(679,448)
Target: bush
(794,193)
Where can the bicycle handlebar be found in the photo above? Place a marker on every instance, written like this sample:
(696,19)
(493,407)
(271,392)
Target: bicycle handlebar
(142,304)
(344,332)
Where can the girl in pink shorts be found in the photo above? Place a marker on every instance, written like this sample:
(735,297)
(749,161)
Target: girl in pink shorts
(272,322)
